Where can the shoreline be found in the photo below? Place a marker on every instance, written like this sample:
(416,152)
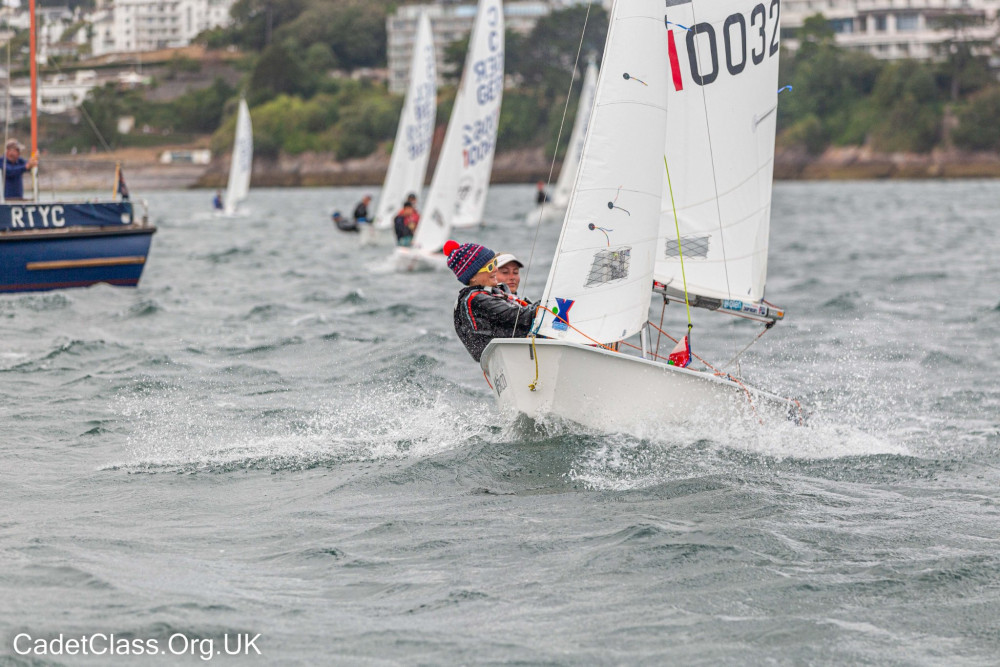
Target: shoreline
(143,170)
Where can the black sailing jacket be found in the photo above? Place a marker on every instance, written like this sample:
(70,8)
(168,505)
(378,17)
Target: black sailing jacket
(485,313)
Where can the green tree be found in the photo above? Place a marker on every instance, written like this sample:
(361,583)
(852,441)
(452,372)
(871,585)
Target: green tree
(959,65)
(279,71)
(830,84)
(201,110)
(254,21)
(978,128)
(353,29)
(102,108)
(908,99)
(545,59)
(319,58)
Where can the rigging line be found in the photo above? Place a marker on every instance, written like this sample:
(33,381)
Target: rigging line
(711,153)
(740,353)
(552,166)
(680,251)
(6,127)
(82,109)
(90,122)
(662,313)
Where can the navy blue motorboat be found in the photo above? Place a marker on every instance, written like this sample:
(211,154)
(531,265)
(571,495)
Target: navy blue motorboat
(55,245)
(58,244)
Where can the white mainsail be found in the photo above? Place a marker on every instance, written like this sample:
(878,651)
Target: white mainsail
(412,148)
(601,277)
(571,163)
(720,146)
(458,190)
(241,165)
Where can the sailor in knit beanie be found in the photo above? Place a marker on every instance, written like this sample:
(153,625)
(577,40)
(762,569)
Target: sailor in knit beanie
(467,259)
(483,311)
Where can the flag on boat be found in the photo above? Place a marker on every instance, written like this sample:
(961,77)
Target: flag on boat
(120,188)
(681,354)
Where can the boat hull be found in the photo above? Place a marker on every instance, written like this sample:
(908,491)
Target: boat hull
(47,259)
(410,259)
(370,235)
(615,392)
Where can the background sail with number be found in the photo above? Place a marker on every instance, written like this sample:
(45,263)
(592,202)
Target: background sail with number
(458,190)
(720,147)
(602,274)
(571,163)
(412,147)
(241,164)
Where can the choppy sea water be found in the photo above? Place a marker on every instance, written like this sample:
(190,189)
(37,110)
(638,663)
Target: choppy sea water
(275,434)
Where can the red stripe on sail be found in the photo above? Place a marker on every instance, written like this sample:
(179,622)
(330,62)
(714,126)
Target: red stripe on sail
(675,65)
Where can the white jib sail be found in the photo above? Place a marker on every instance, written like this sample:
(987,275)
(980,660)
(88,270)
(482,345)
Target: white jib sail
(241,165)
(571,163)
(602,274)
(412,148)
(721,113)
(458,190)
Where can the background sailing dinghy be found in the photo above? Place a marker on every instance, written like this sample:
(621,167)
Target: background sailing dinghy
(555,210)
(412,148)
(650,113)
(241,162)
(458,190)
(58,244)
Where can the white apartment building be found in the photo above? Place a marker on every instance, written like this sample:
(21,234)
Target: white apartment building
(450,23)
(56,94)
(123,26)
(893,29)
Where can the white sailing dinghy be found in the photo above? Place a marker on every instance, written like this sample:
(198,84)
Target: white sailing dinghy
(241,163)
(414,135)
(556,208)
(458,189)
(662,69)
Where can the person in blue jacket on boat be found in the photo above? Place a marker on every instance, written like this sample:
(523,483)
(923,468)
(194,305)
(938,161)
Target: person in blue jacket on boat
(483,310)
(14,166)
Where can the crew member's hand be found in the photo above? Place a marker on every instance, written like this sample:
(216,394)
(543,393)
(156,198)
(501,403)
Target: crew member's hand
(32,163)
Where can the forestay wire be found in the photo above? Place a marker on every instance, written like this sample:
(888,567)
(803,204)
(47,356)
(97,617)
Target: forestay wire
(680,251)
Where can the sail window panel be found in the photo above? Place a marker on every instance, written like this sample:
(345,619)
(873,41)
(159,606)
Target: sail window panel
(610,265)
(693,247)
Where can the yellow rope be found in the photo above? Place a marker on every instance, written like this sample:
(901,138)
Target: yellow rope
(534,355)
(680,252)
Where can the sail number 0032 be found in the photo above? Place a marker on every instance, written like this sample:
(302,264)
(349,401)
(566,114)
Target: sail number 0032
(734,33)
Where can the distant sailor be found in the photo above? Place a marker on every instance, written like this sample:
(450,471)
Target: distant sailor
(541,196)
(343,224)
(361,216)
(405,224)
(14,166)
(483,310)
(411,199)
(217,201)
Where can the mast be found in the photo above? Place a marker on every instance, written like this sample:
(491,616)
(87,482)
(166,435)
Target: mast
(33,66)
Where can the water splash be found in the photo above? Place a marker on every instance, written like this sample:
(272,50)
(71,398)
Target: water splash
(191,431)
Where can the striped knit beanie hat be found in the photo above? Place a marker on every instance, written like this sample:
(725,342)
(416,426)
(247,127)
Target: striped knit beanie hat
(466,259)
